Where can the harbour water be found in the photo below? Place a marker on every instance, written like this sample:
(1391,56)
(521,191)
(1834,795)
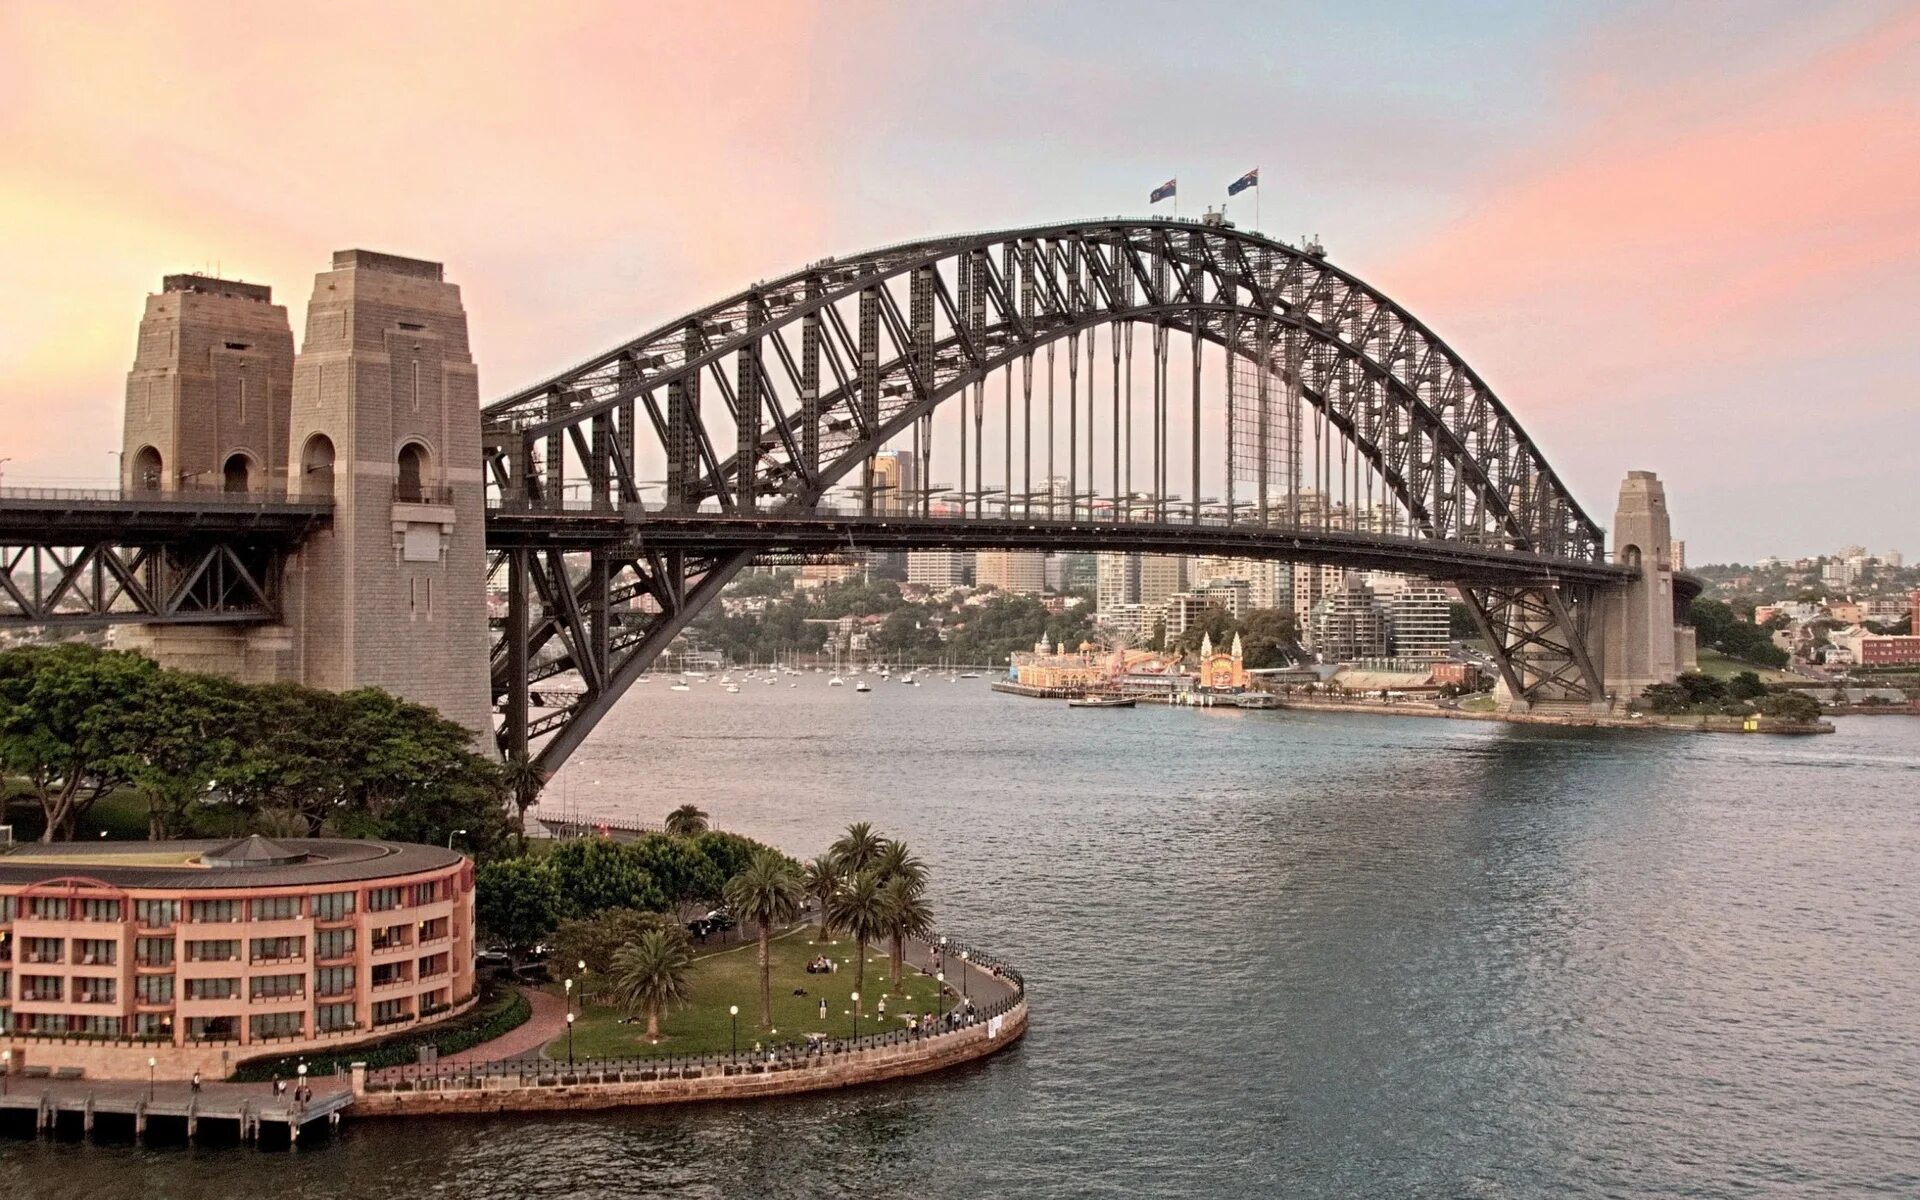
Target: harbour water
(1270,953)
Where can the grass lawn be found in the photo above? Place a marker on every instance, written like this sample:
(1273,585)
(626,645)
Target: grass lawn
(1720,666)
(1479,704)
(732,976)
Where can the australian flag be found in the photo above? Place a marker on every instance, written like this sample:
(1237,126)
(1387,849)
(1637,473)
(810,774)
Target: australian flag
(1250,179)
(1162,192)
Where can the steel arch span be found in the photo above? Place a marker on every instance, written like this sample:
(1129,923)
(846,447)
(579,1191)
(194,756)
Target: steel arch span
(1309,418)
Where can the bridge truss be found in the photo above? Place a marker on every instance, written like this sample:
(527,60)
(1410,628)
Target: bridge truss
(1059,376)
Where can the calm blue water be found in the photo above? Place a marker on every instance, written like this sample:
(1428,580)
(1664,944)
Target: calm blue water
(1270,954)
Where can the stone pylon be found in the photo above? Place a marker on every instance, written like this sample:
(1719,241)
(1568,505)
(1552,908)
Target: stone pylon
(1643,643)
(386,420)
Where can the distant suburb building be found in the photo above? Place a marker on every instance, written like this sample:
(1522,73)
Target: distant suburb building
(203,953)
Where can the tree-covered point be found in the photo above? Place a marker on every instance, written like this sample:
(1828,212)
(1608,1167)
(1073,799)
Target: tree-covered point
(213,758)
(1742,695)
(1268,636)
(1716,625)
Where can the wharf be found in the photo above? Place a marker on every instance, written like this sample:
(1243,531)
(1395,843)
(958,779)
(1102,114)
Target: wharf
(239,1111)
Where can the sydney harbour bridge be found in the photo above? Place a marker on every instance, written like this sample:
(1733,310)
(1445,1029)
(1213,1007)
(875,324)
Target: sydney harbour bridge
(1180,387)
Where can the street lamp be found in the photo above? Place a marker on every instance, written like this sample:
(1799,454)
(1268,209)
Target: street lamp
(856,1016)
(569,1041)
(6,1069)
(151,1064)
(450,836)
(300,1089)
(965,958)
(733,1011)
(943,951)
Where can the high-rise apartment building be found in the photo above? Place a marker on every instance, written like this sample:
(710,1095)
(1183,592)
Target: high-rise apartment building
(1016,572)
(1350,624)
(940,570)
(1421,617)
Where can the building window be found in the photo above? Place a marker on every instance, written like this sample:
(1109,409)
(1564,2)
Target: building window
(43,950)
(389,973)
(96,991)
(416,385)
(99,910)
(276,908)
(42,987)
(434,930)
(332,906)
(212,1029)
(281,949)
(156,914)
(390,937)
(212,911)
(95,952)
(332,943)
(277,986)
(153,989)
(333,981)
(99,1026)
(221,951)
(153,1025)
(386,1012)
(47,908)
(213,989)
(7,908)
(331,1018)
(425,893)
(433,965)
(383,899)
(153,952)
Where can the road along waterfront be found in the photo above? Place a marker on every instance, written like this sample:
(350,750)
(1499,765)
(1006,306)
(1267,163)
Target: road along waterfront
(1269,953)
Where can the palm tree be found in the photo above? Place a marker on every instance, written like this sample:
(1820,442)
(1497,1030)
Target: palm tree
(857,848)
(768,892)
(687,821)
(895,861)
(858,910)
(652,973)
(522,781)
(822,880)
(907,914)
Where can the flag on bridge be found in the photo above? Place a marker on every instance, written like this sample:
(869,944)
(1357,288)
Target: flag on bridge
(1250,179)
(1162,192)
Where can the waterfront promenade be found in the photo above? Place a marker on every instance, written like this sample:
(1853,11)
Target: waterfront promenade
(238,1111)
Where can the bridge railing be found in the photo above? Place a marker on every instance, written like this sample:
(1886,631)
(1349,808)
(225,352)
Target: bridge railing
(187,497)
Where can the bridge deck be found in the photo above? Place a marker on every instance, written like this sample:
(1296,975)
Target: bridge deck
(71,516)
(828,532)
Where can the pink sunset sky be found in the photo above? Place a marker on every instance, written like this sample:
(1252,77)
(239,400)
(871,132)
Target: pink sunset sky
(1676,237)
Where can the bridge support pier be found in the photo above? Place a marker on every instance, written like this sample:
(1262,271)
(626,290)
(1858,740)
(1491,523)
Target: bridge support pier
(1644,642)
(1539,637)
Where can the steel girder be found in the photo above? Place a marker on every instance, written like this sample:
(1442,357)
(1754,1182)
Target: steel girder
(97,583)
(1538,637)
(760,403)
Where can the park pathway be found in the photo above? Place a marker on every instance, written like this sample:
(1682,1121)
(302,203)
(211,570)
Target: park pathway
(549,1021)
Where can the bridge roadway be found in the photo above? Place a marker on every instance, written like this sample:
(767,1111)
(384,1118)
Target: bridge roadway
(829,531)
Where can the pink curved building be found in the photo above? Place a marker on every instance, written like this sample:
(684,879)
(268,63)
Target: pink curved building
(202,954)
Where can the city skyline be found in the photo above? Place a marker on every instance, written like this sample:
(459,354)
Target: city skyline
(1607,221)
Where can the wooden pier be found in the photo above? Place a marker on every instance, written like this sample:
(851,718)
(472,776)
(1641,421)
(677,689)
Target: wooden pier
(237,1110)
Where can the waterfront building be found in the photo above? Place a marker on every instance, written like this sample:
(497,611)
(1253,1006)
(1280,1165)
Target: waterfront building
(1016,572)
(939,570)
(203,953)
(1350,624)
(1420,615)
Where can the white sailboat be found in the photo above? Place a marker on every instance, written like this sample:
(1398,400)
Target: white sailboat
(862,686)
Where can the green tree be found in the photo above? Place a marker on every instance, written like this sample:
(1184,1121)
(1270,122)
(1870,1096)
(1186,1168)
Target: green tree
(903,902)
(1788,705)
(523,779)
(858,848)
(679,870)
(729,853)
(184,729)
(1745,685)
(652,974)
(60,726)
(595,874)
(516,904)
(858,909)
(596,939)
(1270,638)
(822,879)
(687,821)
(768,893)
